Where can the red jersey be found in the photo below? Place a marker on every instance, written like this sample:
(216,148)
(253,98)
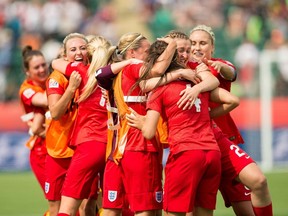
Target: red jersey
(188,129)
(135,139)
(225,122)
(91,121)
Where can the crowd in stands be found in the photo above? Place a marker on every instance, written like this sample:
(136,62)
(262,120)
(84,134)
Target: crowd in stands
(243,28)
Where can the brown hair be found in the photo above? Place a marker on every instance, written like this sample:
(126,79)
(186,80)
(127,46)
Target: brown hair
(155,50)
(28,53)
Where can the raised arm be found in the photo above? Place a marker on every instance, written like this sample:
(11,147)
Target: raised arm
(165,58)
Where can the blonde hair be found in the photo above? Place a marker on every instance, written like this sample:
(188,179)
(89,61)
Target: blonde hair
(129,41)
(207,29)
(70,36)
(100,49)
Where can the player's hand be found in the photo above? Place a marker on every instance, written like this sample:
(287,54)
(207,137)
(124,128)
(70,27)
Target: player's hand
(74,80)
(134,119)
(202,67)
(191,75)
(188,97)
(217,65)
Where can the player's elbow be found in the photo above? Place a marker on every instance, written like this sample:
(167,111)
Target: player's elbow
(235,101)
(55,114)
(148,134)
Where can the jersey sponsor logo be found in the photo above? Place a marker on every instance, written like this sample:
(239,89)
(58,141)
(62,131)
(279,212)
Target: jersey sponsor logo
(248,191)
(159,196)
(112,195)
(28,93)
(53,84)
(47,187)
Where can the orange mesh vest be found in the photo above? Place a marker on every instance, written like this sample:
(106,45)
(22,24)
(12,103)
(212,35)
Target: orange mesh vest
(123,128)
(33,138)
(58,132)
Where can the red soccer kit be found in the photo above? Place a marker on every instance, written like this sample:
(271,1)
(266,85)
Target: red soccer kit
(135,140)
(57,138)
(139,173)
(88,139)
(225,122)
(193,169)
(38,150)
(232,164)
(92,113)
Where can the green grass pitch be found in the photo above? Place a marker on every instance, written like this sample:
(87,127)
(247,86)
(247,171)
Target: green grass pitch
(20,195)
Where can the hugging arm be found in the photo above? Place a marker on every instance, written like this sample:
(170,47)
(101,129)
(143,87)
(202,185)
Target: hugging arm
(188,95)
(227,102)
(147,124)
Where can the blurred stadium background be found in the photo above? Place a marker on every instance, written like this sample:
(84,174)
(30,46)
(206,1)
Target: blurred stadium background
(252,34)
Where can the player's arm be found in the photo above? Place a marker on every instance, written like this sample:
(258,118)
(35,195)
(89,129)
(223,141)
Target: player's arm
(36,125)
(147,124)
(60,65)
(58,104)
(165,58)
(208,83)
(227,71)
(151,83)
(227,102)
(40,100)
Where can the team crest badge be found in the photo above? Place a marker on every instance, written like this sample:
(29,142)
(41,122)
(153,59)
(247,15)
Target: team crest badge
(159,196)
(53,83)
(112,195)
(47,186)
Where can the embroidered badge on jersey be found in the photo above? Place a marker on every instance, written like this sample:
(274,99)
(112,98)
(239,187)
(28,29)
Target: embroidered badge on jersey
(47,187)
(159,196)
(53,83)
(28,93)
(112,195)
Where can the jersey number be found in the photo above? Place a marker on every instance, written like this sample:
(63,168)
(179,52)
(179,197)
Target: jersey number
(239,152)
